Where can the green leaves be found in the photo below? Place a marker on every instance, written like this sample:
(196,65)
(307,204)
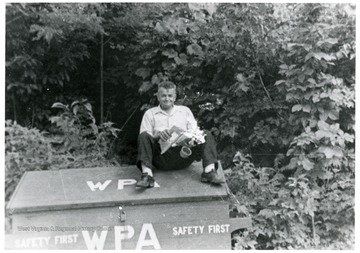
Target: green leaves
(145,87)
(195,49)
(267,213)
(315,88)
(25,150)
(306,163)
(328,41)
(170,53)
(159,27)
(209,7)
(60,106)
(320,56)
(143,72)
(242,84)
(46,33)
(331,152)
(29,149)
(298,107)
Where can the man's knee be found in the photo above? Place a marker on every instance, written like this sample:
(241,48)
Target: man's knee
(207,132)
(208,135)
(145,136)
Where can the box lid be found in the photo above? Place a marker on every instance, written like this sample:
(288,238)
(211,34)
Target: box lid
(109,186)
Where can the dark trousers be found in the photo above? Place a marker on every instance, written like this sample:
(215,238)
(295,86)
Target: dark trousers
(149,154)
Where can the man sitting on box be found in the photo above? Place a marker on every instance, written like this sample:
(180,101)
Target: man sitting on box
(158,142)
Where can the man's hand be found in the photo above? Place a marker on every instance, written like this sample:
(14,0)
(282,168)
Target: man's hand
(177,130)
(165,135)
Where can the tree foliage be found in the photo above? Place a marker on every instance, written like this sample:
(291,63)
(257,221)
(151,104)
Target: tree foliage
(273,82)
(75,141)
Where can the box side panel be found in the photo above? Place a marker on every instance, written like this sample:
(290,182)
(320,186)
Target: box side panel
(201,225)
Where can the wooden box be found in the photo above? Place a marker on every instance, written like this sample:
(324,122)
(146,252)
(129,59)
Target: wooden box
(100,208)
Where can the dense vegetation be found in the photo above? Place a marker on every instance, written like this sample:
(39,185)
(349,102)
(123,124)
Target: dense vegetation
(274,83)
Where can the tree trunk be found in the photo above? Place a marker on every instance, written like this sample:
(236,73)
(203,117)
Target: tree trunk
(101,79)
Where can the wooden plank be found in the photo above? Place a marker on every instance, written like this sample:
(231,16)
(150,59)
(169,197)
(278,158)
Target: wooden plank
(201,234)
(110,186)
(109,216)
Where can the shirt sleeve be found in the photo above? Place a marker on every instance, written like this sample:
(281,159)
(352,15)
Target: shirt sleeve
(147,123)
(191,123)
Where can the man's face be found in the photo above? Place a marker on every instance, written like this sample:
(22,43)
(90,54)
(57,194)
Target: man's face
(166,98)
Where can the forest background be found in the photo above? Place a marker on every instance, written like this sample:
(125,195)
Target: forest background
(275,83)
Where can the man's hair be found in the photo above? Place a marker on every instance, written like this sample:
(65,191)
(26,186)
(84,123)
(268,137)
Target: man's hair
(167,85)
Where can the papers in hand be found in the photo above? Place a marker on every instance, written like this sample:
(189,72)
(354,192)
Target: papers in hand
(178,137)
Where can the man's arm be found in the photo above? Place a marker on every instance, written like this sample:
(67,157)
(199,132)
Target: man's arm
(147,125)
(191,121)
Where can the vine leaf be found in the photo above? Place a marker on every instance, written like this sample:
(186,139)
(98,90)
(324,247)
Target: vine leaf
(195,49)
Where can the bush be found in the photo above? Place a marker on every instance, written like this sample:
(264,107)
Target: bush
(292,212)
(79,141)
(25,150)
(76,142)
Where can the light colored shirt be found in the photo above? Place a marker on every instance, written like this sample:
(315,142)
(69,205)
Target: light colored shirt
(156,120)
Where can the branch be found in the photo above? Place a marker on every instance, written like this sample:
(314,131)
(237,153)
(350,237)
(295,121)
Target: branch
(129,117)
(263,85)
(313,230)
(108,40)
(14,19)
